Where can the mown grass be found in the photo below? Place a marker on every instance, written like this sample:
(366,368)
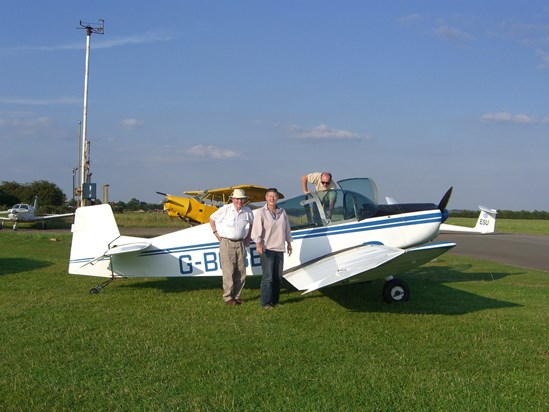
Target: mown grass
(473,337)
(162,220)
(129,219)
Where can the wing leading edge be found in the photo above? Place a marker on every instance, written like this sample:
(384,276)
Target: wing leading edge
(363,263)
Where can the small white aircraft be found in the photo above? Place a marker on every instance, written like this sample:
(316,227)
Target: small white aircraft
(361,241)
(23,212)
(486,223)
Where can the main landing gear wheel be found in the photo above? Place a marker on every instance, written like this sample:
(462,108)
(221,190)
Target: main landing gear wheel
(396,290)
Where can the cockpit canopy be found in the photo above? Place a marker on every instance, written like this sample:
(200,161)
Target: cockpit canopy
(20,207)
(356,200)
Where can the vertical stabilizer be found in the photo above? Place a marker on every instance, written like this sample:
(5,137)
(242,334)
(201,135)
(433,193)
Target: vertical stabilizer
(486,222)
(93,229)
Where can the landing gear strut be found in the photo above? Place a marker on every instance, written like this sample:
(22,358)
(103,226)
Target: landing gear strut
(395,290)
(97,289)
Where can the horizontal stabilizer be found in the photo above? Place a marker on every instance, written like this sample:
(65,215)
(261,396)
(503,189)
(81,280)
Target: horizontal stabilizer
(127,248)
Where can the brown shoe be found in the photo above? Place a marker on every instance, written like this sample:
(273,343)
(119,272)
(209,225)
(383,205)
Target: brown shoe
(231,302)
(239,301)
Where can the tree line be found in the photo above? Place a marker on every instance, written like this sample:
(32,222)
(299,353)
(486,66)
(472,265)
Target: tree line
(51,199)
(505,214)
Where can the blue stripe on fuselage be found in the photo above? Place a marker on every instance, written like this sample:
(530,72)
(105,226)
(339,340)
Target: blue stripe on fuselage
(363,226)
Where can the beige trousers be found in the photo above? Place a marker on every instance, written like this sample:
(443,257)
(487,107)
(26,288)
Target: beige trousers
(233,266)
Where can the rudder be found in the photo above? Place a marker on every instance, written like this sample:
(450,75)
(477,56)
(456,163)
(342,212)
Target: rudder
(93,229)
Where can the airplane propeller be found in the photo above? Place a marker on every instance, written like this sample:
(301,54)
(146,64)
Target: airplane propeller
(445,199)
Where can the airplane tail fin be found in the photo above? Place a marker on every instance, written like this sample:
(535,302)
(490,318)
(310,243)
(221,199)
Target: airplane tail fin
(94,228)
(35,206)
(486,222)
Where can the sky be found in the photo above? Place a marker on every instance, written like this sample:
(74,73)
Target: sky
(198,94)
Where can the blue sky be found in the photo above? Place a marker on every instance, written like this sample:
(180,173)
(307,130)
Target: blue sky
(186,95)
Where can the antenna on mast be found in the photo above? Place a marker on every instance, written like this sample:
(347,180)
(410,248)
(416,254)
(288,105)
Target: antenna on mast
(86,186)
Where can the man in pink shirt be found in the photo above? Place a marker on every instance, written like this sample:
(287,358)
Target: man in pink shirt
(270,232)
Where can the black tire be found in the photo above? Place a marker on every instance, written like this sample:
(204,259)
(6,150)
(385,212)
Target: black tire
(396,291)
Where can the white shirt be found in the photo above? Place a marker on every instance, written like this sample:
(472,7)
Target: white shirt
(233,224)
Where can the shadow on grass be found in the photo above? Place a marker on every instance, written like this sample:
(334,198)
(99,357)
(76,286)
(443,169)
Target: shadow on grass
(9,266)
(429,294)
(186,284)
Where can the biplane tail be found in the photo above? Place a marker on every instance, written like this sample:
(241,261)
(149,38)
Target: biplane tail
(93,230)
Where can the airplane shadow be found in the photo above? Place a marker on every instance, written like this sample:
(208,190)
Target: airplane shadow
(9,266)
(429,294)
(178,285)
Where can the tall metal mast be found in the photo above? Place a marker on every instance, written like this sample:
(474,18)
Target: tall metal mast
(84,166)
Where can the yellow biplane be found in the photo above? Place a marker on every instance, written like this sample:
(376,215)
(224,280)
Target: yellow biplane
(200,204)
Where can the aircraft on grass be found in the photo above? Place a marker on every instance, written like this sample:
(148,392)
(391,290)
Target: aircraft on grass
(361,241)
(486,223)
(202,203)
(23,212)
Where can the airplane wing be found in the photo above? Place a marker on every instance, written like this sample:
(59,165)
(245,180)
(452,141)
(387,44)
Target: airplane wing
(37,218)
(254,193)
(362,263)
(47,217)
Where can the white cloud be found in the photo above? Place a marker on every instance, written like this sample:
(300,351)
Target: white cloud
(506,117)
(411,18)
(130,123)
(452,34)
(40,102)
(323,132)
(100,42)
(140,38)
(22,124)
(212,152)
(544,56)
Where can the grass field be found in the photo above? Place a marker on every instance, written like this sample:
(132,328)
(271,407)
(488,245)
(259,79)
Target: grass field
(473,337)
(161,220)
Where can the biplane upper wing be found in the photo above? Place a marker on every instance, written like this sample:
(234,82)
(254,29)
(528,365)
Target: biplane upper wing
(362,263)
(255,193)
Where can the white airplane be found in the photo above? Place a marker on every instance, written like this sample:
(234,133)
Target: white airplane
(23,212)
(362,241)
(486,223)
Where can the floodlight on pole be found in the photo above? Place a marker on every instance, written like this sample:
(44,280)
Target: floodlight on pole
(84,166)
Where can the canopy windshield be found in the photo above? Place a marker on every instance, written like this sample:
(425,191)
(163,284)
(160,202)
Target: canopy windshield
(363,185)
(325,208)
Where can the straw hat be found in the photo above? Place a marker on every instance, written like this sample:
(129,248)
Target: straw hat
(239,194)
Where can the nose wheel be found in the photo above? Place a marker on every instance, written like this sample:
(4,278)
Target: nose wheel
(395,291)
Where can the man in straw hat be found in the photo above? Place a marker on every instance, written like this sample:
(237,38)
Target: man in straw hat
(232,226)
